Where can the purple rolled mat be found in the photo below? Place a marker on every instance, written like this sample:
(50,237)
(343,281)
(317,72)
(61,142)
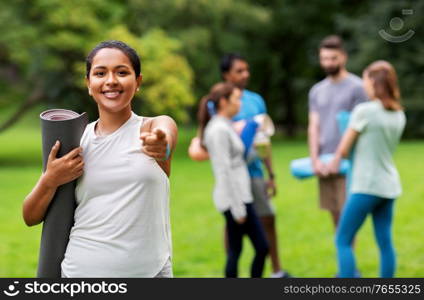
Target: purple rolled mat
(67,127)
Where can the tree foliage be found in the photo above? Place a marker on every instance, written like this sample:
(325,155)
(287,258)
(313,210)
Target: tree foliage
(44,45)
(181,41)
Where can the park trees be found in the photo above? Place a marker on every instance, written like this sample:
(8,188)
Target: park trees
(42,51)
(180,41)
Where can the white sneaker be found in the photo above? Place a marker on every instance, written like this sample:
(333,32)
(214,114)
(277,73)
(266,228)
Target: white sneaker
(280,274)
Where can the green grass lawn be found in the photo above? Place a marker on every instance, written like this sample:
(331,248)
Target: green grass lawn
(305,232)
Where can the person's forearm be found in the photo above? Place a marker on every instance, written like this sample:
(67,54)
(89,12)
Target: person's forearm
(169,126)
(346,143)
(219,147)
(268,165)
(36,203)
(313,141)
(171,139)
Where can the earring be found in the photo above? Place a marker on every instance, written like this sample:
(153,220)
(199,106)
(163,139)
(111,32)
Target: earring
(138,89)
(89,91)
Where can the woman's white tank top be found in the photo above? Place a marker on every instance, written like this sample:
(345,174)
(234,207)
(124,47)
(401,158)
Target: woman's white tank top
(122,223)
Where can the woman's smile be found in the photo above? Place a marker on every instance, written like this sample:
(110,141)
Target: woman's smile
(112,94)
(112,81)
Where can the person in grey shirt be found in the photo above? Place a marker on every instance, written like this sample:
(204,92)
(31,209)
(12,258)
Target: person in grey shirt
(339,91)
(232,193)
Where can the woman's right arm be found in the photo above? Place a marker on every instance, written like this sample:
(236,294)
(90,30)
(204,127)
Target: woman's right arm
(219,148)
(343,149)
(58,171)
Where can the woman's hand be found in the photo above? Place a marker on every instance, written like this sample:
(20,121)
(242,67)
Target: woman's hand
(65,169)
(59,171)
(159,136)
(320,169)
(241,220)
(334,165)
(155,144)
(196,151)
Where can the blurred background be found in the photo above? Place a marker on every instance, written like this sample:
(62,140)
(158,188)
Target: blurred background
(44,42)
(43,45)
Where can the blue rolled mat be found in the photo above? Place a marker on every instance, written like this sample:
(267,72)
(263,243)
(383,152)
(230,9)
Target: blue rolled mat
(67,127)
(302,168)
(343,118)
(247,135)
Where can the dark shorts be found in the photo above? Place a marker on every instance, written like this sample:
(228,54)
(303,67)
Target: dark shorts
(332,192)
(261,201)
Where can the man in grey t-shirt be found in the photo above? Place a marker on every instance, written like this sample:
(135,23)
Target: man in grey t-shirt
(339,91)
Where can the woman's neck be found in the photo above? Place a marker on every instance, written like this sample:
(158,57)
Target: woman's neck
(224,114)
(111,121)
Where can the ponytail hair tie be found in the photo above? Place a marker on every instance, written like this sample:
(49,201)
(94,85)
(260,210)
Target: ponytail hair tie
(211,108)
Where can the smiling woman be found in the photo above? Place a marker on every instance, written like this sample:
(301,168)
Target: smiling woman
(110,80)
(121,224)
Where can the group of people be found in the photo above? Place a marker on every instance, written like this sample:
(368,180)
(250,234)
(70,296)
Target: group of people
(375,127)
(241,192)
(121,223)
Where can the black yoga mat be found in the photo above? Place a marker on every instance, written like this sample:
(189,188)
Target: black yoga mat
(67,127)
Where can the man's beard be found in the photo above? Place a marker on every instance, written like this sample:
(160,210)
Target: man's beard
(333,71)
(242,84)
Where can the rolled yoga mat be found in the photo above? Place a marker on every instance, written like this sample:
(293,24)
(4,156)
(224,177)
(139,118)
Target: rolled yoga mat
(302,168)
(67,127)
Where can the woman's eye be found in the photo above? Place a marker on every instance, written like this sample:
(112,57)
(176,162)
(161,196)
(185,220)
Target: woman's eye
(122,73)
(99,73)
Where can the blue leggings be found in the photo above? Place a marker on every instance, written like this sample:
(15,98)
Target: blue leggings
(353,216)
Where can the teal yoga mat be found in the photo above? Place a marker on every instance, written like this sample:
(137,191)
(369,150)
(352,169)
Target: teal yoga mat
(67,127)
(302,168)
